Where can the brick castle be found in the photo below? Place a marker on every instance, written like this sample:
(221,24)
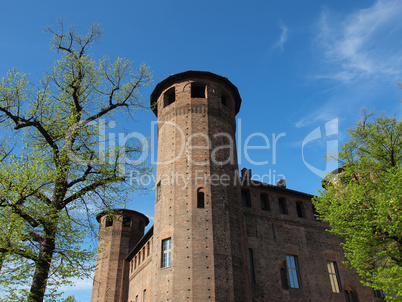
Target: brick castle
(219,236)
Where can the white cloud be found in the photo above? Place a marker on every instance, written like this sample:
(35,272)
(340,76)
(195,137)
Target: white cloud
(282,39)
(364,44)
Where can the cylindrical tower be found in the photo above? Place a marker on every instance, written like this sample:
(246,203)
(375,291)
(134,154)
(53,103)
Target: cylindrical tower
(119,232)
(199,243)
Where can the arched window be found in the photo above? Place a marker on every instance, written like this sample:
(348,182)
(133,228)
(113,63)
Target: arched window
(200,198)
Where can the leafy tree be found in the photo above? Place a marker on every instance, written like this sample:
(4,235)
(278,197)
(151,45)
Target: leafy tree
(55,167)
(363,203)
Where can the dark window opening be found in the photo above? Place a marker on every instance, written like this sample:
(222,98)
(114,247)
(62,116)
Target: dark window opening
(284,278)
(315,214)
(198,90)
(223,100)
(245,198)
(158,191)
(251,263)
(350,296)
(300,210)
(200,199)
(126,221)
(169,97)
(264,202)
(283,209)
(379,293)
(109,221)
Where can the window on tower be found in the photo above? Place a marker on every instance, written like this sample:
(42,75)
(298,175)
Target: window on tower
(126,221)
(200,198)
(109,221)
(169,97)
(198,90)
(166,252)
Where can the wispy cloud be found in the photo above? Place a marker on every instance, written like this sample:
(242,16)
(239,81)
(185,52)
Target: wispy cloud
(282,39)
(364,44)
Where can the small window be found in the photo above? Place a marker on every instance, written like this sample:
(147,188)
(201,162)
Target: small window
(144,296)
(350,296)
(245,198)
(166,252)
(126,221)
(148,247)
(139,258)
(300,209)
(379,293)
(158,191)
(200,199)
(315,214)
(198,90)
(283,209)
(284,278)
(135,262)
(109,221)
(143,253)
(223,100)
(136,298)
(293,271)
(169,97)
(251,264)
(334,277)
(264,202)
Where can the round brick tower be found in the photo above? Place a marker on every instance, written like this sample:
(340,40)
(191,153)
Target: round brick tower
(199,243)
(118,234)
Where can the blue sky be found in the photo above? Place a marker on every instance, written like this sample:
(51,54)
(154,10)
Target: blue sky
(298,65)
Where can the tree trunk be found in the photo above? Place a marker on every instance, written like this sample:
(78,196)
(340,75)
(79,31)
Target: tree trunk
(42,267)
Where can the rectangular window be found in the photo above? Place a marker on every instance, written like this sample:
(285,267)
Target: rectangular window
(144,296)
(293,271)
(264,202)
(251,263)
(334,276)
(166,252)
(283,209)
(136,298)
(245,198)
(379,293)
(158,191)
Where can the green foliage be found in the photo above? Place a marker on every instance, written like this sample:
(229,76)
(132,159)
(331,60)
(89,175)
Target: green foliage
(56,171)
(363,203)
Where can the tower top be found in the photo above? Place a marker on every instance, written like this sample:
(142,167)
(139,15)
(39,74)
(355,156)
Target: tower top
(161,86)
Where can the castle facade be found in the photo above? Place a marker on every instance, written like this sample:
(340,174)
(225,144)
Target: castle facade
(217,235)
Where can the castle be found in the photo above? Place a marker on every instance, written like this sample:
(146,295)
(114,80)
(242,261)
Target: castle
(220,236)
